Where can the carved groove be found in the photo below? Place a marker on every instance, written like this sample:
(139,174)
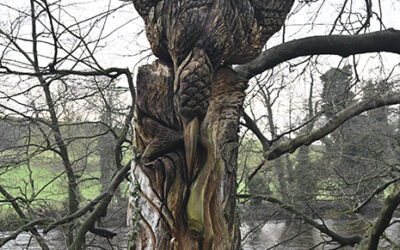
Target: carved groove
(188,112)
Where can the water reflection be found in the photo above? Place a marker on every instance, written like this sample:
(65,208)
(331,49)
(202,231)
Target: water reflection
(275,234)
(281,235)
(55,240)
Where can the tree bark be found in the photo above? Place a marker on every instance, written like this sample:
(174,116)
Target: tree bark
(172,196)
(341,45)
(386,214)
(188,109)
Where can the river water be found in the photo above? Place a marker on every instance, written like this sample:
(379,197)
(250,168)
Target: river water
(55,240)
(297,236)
(266,237)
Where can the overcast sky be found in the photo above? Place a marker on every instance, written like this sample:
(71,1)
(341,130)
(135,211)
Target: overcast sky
(126,44)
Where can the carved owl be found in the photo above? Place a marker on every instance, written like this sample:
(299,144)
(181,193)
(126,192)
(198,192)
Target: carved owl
(209,32)
(196,36)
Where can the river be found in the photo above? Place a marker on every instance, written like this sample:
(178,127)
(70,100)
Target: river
(275,232)
(267,236)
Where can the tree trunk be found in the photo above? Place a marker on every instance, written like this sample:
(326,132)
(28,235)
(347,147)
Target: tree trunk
(187,119)
(180,210)
(383,222)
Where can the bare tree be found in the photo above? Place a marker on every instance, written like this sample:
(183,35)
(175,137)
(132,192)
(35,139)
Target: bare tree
(51,90)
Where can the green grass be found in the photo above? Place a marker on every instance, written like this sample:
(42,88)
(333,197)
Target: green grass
(17,182)
(49,185)
(43,182)
(91,188)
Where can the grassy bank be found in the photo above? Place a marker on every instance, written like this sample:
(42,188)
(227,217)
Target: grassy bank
(40,188)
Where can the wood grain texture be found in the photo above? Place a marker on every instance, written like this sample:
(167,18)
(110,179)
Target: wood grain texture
(188,110)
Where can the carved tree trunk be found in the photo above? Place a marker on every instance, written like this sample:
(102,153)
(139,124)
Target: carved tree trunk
(187,122)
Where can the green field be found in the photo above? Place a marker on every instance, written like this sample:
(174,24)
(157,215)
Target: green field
(41,185)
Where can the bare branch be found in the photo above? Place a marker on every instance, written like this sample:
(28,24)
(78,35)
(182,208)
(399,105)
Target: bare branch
(343,240)
(391,203)
(27,227)
(331,125)
(101,207)
(341,45)
(377,191)
(75,215)
(252,125)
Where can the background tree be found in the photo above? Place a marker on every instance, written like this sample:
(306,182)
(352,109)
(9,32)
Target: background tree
(365,183)
(52,86)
